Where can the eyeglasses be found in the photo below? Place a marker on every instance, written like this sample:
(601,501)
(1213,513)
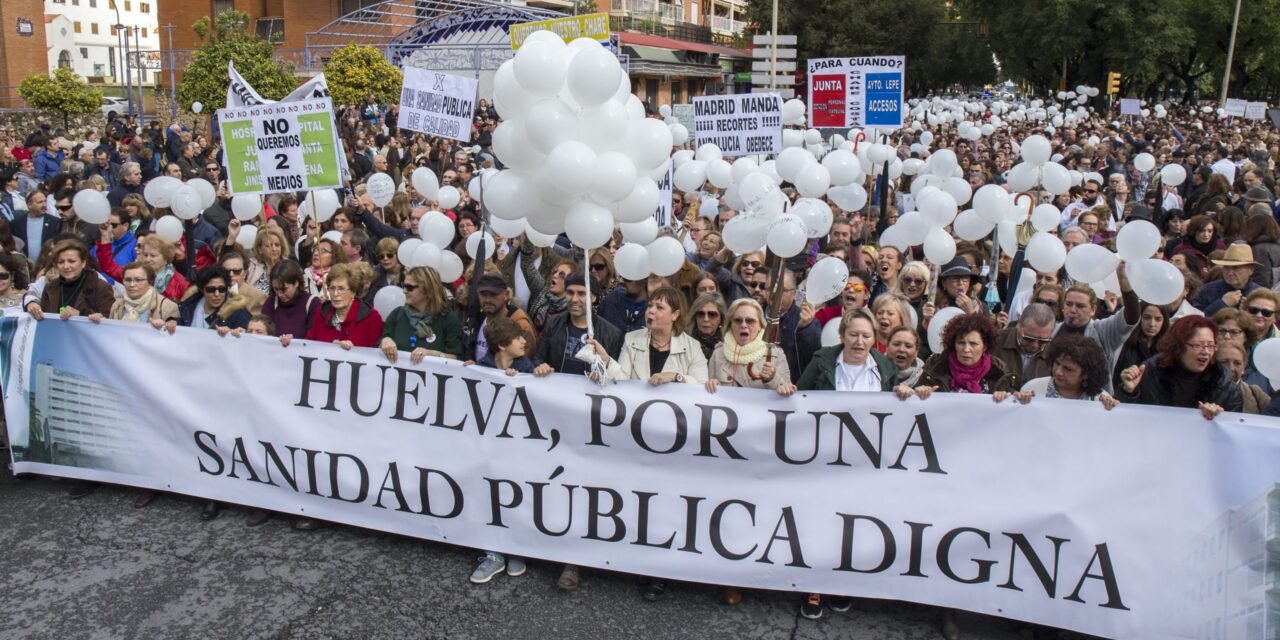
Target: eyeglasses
(746,322)
(5,275)
(333,289)
(215,291)
(855,287)
(235,272)
(386,256)
(211,169)
(115,225)
(1202,346)
(409,288)
(599,267)
(1032,339)
(63,207)
(1090,190)
(708,314)
(1259,311)
(558,275)
(759,286)
(913,282)
(129,280)
(754,264)
(1052,304)
(1229,332)
(325,250)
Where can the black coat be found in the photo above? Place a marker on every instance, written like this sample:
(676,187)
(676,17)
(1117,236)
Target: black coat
(556,332)
(1215,385)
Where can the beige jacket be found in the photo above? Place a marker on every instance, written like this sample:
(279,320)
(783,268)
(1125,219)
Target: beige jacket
(685,358)
(736,375)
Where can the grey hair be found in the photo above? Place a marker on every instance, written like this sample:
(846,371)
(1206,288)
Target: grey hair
(1075,229)
(1037,314)
(128,166)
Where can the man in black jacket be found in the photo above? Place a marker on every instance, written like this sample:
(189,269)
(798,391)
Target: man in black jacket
(566,333)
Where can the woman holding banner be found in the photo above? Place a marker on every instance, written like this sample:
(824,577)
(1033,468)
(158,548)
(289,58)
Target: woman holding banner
(1184,373)
(1079,372)
(744,359)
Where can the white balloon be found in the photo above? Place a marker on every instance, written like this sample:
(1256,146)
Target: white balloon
(690,176)
(1057,179)
(1173,175)
(1266,358)
(720,174)
(743,166)
(186,203)
(333,235)
(169,228)
(1023,177)
(541,66)
(826,280)
(641,203)
(793,112)
(593,75)
(913,228)
(1091,263)
(938,208)
(959,190)
(159,191)
(473,244)
(991,202)
(666,256)
(538,238)
(326,203)
(1046,253)
(640,233)
(831,333)
(426,183)
(405,252)
(436,228)
(709,153)
(679,134)
(850,197)
(91,206)
(1036,150)
(571,167)
(388,299)
(550,122)
(744,234)
(787,236)
(664,110)
(1045,217)
(450,267)
(843,167)
(449,197)
(246,206)
(248,233)
(632,262)
(761,195)
(615,177)
(939,246)
(939,324)
(792,161)
(648,143)
(589,225)
(813,181)
(1137,240)
(1156,281)
(208,194)
(815,214)
(197,107)
(1144,162)
(506,228)
(427,255)
(971,226)
(943,163)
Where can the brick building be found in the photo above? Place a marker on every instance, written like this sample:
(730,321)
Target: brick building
(23,49)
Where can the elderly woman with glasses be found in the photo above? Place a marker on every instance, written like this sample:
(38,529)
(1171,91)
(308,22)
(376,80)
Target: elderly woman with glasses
(327,255)
(744,359)
(1184,373)
(343,319)
(708,312)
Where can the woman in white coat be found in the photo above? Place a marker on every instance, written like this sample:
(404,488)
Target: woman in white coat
(661,352)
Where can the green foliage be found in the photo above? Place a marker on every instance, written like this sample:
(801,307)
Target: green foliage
(940,52)
(64,92)
(228,38)
(355,71)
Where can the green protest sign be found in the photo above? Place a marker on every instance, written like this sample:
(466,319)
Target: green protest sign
(281,148)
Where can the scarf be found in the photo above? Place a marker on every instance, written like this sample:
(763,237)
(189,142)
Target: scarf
(423,333)
(133,310)
(163,278)
(753,351)
(707,342)
(968,378)
(317,279)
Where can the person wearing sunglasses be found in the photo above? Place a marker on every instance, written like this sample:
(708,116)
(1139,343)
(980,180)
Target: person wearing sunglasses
(1184,373)
(1022,346)
(856,295)
(1089,198)
(213,306)
(115,231)
(427,324)
(1261,305)
(708,312)
(13,282)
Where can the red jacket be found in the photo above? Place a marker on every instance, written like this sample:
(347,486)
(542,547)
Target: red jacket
(176,288)
(363,325)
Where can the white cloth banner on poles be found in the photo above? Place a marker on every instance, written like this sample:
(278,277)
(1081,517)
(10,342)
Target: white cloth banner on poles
(744,124)
(1235,107)
(437,104)
(1142,522)
(1255,110)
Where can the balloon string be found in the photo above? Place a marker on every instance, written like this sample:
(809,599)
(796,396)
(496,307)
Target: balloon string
(586,259)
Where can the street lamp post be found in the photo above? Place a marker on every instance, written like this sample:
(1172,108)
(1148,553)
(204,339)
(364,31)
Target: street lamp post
(128,77)
(1231,51)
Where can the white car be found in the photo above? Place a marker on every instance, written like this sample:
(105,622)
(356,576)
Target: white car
(118,105)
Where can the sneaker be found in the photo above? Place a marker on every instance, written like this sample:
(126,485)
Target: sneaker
(839,603)
(491,564)
(515,567)
(811,608)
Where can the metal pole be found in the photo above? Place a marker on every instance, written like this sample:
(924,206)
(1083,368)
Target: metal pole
(128,74)
(137,49)
(1231,51)
(173,88)
(773,51)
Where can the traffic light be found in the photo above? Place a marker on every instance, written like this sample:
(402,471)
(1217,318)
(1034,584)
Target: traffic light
(1113,83)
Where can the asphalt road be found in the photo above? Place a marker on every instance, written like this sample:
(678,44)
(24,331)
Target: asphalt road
(98,568)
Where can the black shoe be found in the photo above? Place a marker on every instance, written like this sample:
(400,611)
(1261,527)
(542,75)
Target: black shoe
(307,524)
(81,489)
(811,608)
(655,591)
(211,511)
(839,603)
(257,518)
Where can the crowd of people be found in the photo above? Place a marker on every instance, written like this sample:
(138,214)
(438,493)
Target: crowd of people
(724,319)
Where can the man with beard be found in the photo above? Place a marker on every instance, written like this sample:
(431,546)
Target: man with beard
(1081,304)
(566,333)
(1089,199)
(495,302)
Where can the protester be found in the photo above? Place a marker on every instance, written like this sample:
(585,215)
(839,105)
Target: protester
(1078,372)
(1183,373)
(426,325)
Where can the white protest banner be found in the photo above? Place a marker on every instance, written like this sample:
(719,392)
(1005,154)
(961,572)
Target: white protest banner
(1130,107)
(856,92)
(1111,523)
(1235,107)
(741,125)
(280,148)
(663,214)
(683,113)
(1255,110)
(437,104)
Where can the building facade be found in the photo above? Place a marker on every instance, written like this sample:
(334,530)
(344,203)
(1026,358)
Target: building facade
(83,35)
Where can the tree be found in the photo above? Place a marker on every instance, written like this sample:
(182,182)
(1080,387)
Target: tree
(228,38)
(64,92)
(355,71)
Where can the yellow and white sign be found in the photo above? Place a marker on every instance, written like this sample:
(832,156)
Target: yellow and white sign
(594,26)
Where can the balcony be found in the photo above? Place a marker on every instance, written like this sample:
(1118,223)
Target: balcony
(667,12)
(727,25)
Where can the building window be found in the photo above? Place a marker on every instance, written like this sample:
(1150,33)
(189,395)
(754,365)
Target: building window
(270,29)
(93,28)
(128,5)
(74,3)
(84,52)
(75,26)
(220,6)
(99,70)
(93,4)
(144,7)
(144,32)
(349,6)
(64,59)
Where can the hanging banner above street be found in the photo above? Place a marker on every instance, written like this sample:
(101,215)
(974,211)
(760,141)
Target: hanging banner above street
(594,26)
